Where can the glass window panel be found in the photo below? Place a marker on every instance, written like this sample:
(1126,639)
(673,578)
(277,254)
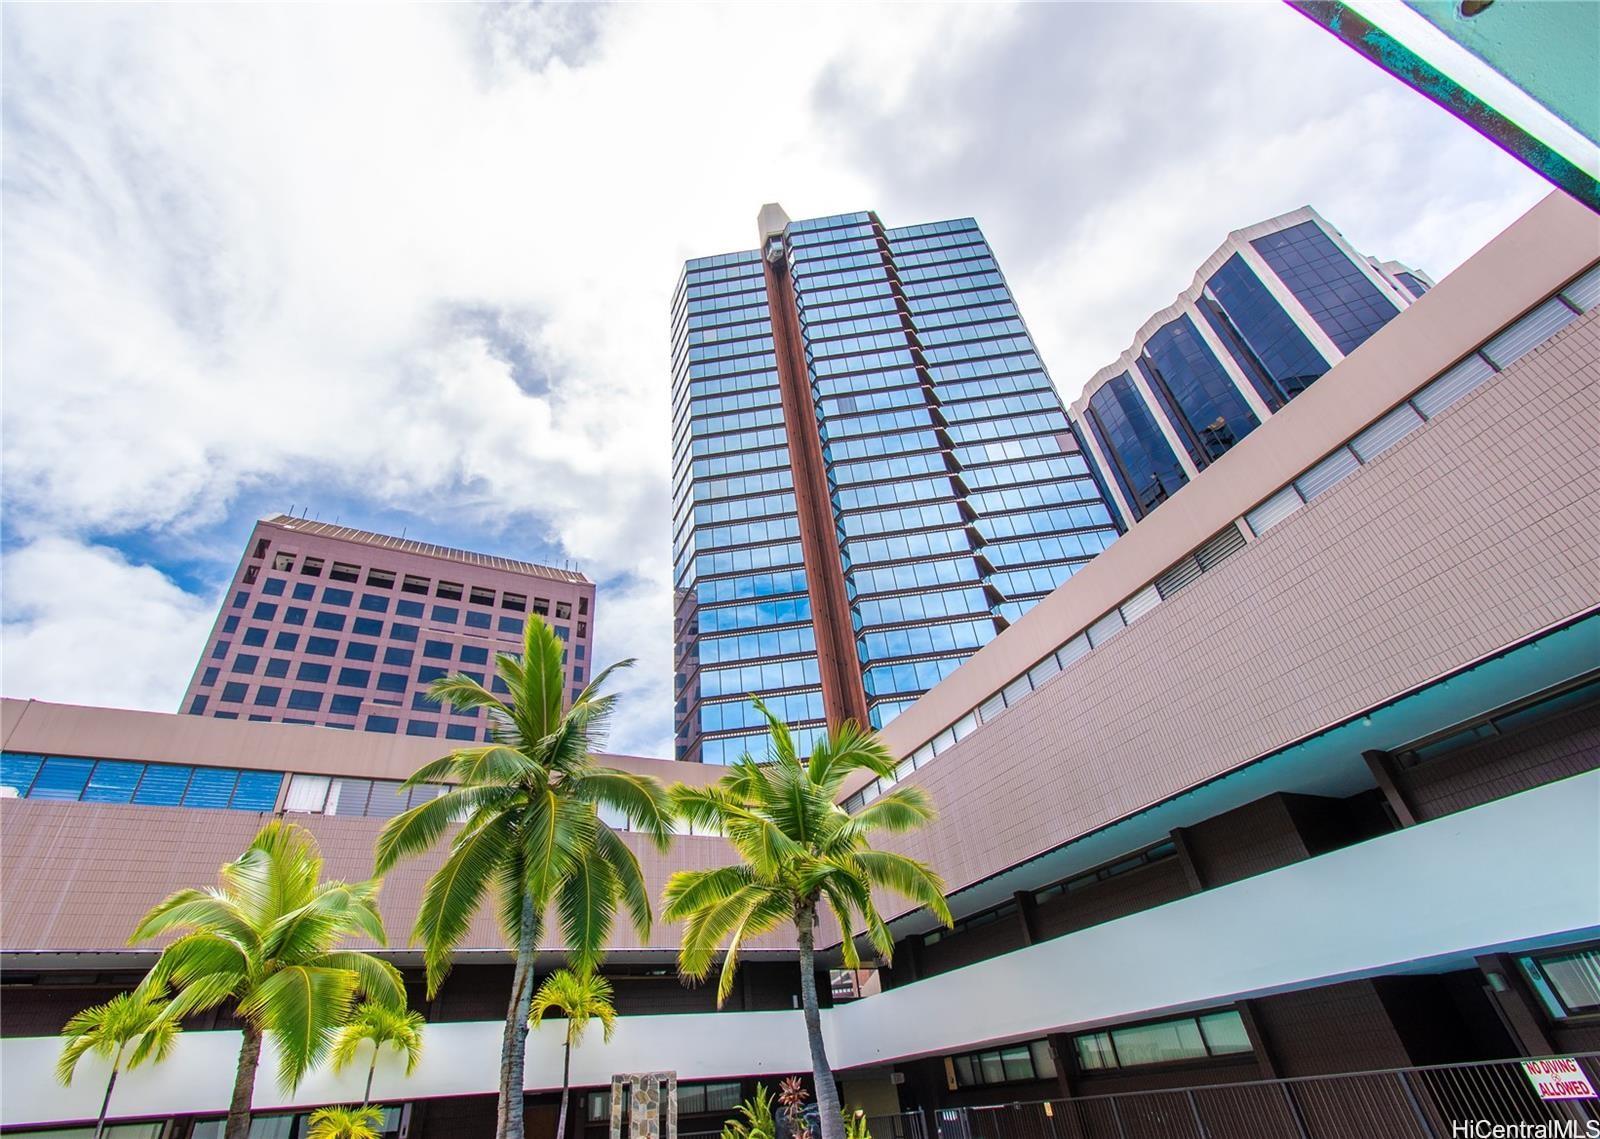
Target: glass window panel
(1210,412)
(965,1076)
(1532,330)
(991,1070)
(307,793)
(272,1127)
(1094,1051)
(1141,460)
(1018,1063)
(257,790)
(387,800)
(62,778)
(1584,293)
(1327,474)
(113,781)
(1575,978)
(163,784)
(1274,510)
(211,787)
(1458,382)
(17,771)
(1159,1043)
(1338,295)
(349,796)
(1386,432)
(1224,1033)
(420,795)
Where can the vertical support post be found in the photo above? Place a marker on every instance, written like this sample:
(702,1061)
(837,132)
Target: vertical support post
(1294,1111)
(1383,769)
(616,1107)
(672,1105)
(1194,1110)
(1025,906)
(1416,1107)
(1185,849)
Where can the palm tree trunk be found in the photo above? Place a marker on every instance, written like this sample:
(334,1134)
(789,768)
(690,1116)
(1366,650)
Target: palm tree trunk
(105,1104)
(244,1084)
(829,1119)
(514,1043)
(566,1083)
(371,1071)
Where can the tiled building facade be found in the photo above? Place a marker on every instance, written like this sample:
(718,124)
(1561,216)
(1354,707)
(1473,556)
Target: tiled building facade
(328,625)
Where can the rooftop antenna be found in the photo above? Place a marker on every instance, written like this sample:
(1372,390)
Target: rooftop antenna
(291,510)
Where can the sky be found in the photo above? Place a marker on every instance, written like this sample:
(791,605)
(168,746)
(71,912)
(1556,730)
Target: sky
(409,267)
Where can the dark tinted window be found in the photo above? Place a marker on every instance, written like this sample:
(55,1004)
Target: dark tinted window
(1141,460)
(1208,411)
(1338,295)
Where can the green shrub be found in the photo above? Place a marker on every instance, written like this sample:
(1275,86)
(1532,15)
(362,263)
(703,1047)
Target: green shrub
(758,1122)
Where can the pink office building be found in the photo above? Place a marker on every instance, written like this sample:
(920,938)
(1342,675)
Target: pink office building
(330,625)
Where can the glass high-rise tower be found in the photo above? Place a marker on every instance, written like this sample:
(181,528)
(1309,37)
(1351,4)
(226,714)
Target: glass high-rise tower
(872,474)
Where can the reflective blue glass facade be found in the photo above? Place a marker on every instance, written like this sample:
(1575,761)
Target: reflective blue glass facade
(1275,308)
(1271,343)
(957,491)
(1338,295)
(1141,460)
(743,621)
(1198,395)
(79,779)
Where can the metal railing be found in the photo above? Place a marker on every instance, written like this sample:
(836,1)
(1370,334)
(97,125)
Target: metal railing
(903,1125)
(1441,1102)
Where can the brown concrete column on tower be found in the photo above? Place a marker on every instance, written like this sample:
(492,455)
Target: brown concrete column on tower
(843,696)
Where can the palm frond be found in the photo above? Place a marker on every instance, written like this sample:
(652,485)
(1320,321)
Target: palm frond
(850,748)
(770,911)
(908,877)
(580,997)
(379,983)
(416,830)
(896,811)
(691,890)
(196,909)
(461,691)
(381,1026)
(363,1122)
(587,903)
(641,800)
(629,876)
(453,893)
(107,1030)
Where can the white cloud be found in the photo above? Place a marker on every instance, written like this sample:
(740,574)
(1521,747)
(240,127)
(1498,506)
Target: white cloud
(82,625)
(421,257)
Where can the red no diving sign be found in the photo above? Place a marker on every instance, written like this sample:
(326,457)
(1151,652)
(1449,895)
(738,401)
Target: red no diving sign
(1558,1078)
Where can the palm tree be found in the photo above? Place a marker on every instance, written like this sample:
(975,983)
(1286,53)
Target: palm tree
(800,851)
(267,941)
(107,1030)
(531,835)
(580,997)
(399,1028)
(364,1122)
